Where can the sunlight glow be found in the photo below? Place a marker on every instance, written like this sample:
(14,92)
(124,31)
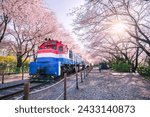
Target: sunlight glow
(119,27)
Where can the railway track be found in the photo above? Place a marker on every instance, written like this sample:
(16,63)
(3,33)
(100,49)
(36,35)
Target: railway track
(10,91)
(54,84)
(16,90)
(55,91)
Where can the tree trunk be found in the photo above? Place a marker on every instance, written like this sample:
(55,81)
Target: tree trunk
(19,61)
(6,21)
(133,67)
(135,64)
(136,59)
(34,55)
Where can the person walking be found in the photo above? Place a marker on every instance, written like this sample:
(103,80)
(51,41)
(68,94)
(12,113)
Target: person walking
(100,67)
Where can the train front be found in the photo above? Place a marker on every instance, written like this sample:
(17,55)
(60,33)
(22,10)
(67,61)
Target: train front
(47,60)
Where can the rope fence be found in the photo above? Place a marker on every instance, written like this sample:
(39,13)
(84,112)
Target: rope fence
(56,90)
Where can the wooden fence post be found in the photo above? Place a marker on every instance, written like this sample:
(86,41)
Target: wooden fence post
(22,72)
(87,71)
(77,87)
(26,90)
(81,77)
(3,77)
(65,86)
(84,73)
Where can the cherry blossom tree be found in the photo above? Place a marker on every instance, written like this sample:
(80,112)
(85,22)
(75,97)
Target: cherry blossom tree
(28,34)
(95,21)
(4,20)
(27,23)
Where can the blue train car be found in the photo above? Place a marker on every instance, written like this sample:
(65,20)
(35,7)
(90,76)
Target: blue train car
(54,58)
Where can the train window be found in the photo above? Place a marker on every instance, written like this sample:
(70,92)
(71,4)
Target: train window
(70,54)
(60,49)
(54,47)
(47,47)
(53,43)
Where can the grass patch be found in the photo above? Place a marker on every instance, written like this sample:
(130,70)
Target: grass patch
(146,77)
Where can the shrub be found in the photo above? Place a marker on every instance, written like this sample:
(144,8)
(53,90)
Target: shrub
(10,62)
(144,70)
(120,65)
(7,60)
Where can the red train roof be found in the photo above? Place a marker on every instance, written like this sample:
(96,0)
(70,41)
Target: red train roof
(52,46)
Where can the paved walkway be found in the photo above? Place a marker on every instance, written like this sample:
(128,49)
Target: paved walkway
(109,85)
